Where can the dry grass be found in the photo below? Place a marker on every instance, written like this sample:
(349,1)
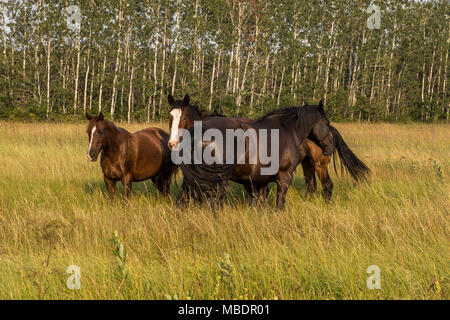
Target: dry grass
(54,213)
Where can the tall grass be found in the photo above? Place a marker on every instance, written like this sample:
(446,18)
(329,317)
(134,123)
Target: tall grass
(54,213)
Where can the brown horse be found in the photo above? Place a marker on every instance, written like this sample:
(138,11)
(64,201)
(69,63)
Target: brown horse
(314,161)
(130,157)
(182,116)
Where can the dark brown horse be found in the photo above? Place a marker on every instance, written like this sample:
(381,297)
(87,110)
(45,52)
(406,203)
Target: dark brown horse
(182,116)
(315,161)
(130,157)
(293,124)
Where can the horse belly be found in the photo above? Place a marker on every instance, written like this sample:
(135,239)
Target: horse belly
(148,161)
(243,171)
(250,173)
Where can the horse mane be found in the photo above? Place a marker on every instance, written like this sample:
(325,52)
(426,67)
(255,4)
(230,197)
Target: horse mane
(107,123)
(308,113)
(112,126)
(201,113)
(280,114)
(305,117)
(195,108)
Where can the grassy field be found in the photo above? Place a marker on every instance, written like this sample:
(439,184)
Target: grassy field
(54,213)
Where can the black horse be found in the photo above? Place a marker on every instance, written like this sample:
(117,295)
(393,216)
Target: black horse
(315,162)
(294,125)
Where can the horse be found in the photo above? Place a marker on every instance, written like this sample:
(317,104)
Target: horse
(314,162)
(130,157)
(182,115)
(294,125)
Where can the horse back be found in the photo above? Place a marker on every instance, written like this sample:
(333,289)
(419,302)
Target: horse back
(150,152)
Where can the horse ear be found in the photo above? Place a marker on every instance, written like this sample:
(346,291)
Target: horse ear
(88,116)
(170,99)
(186,100)
(320,107)
(100,116)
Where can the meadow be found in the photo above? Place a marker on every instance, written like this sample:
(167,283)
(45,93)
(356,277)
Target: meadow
(54,213)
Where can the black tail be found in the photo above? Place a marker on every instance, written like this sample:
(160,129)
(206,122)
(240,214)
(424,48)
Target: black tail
(205,181)
(163,178)
(208,181)
(357,169)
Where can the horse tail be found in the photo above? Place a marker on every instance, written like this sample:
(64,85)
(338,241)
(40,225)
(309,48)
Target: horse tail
(208,181)
(203,180)
(354,166)
(171,172)
(163,178)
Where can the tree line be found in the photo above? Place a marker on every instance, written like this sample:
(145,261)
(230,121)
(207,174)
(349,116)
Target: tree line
(239,57)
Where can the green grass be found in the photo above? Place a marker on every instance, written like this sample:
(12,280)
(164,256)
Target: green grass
(54,213)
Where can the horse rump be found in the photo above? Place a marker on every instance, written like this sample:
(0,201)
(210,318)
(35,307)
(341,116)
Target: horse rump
(163,178)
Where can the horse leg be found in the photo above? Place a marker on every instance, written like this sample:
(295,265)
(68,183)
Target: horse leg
(182,195)
(111,186)
(284,180)
(321,167)
(162,183)
(127,182)
(310,175)
(249,188)
(185,194)
(257,192)
(262,192)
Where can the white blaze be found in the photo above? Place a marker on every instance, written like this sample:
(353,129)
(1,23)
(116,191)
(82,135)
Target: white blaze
(176,114)
(92,138)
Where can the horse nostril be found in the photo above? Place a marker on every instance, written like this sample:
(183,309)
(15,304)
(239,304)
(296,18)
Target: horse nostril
(172,145)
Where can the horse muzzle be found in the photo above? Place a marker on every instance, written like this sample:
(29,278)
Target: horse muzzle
(328,151)
(172,145)
(92,156)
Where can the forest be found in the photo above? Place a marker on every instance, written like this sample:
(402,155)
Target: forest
(60,59)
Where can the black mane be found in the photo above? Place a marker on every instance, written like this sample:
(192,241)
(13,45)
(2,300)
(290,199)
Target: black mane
(195,109)
(280,114)
(306,112)
(305,117)
(196,112)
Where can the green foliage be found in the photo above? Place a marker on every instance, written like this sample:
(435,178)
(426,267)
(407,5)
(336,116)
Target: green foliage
(246,57)
(120,254)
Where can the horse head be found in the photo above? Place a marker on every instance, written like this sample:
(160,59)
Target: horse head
(95,131)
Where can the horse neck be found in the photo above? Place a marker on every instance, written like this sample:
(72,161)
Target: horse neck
(290,122)
(194,114)
(304,124)
(111,141)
